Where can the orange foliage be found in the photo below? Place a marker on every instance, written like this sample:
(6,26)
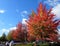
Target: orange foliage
(42,23)
(19,34)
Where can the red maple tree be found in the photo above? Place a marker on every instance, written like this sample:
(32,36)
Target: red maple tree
(42,24)
(19,33)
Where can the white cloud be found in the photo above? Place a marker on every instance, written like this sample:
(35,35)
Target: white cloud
(58,31)
(4,30)
(56,11)
(2,11)
(24,21)
(24,13)
(12,28)
(52,2)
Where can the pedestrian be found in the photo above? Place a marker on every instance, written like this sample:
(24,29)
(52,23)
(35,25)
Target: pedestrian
(11,43)
(7,43)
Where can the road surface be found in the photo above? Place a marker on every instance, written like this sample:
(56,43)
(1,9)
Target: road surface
(2,45)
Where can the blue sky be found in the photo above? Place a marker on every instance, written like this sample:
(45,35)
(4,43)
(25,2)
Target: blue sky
(13,11)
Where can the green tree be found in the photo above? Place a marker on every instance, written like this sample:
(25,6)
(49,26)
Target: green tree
(9,36)
(3,37)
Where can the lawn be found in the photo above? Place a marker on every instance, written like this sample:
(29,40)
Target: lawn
(30,44)
(23,45)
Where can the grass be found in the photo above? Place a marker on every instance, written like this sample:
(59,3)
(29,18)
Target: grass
(30,44)
(23,45)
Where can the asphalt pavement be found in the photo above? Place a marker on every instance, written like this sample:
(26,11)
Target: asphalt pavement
(2,45)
